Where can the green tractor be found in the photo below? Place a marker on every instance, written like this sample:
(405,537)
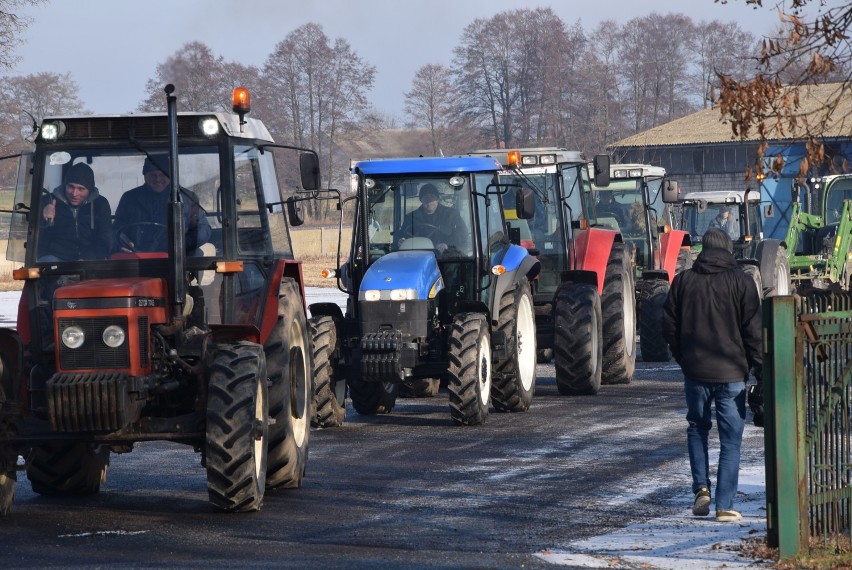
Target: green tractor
(820,233)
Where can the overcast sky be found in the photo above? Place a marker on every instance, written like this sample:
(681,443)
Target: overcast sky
(112,47)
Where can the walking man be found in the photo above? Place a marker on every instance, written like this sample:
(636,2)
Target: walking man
(712,323)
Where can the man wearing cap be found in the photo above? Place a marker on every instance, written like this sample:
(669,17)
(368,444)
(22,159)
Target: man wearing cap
(141,218)
(434,221)
(75,219)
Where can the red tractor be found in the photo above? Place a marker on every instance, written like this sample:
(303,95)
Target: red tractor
(191,329)
(583,297)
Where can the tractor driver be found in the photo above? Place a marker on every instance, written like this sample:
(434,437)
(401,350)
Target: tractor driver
(141,217)
(434,221)
(609,208)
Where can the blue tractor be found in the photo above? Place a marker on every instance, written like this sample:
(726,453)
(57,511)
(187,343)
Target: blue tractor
(436,294)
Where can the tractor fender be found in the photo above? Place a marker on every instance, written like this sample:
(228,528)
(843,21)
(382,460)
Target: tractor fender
(655,274)
(332,310)
(670,244)
(766,253)
(581,276)
(519,264)
(11,365)
(590,251)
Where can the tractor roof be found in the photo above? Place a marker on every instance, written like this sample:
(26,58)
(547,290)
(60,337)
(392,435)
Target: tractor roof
(629,170)
(432,165)
(154,125)
(719,197)
(562,155)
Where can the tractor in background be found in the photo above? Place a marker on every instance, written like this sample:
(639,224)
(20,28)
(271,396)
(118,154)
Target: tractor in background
(422,308)
(202,344)
(765,260)
(584,294)
(632,204)
(819,236)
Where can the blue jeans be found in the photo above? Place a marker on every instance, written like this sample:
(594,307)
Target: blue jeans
(730,401)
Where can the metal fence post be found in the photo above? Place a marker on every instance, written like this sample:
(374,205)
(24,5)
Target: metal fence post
(786,473)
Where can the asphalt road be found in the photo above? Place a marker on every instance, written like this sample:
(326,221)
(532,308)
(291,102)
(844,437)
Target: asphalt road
(408,489)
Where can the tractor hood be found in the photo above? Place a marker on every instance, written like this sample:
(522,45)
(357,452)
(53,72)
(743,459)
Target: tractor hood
(409,275)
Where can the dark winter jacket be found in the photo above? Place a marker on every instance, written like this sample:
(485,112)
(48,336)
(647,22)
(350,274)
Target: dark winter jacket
(142,204)
(712,319)
(444,226)
(84,232)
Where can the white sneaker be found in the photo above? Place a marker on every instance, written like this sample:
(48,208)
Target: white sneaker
(728,516)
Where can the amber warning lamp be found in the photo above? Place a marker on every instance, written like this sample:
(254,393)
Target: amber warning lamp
(241,103)
(514,158)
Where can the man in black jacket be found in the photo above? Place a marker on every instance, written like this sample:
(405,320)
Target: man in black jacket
(76,219)
(712,323)
(142,213)
(433,220)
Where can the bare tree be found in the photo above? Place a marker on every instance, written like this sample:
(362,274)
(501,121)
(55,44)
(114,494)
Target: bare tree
(12,26)
(720,49)
(812,49)
(203,80)
(430,102)
(34,97)
(316,92)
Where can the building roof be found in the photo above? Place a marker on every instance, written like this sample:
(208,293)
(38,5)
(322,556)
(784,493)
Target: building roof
(707,126)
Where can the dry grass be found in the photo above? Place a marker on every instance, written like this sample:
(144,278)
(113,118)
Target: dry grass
(313,265)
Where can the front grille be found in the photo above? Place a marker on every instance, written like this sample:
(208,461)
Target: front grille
(94,353)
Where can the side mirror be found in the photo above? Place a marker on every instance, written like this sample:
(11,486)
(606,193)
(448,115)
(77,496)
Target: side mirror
(309,169)
(525,203)
(670,192)
(601,164)
(294,211)
(768,211)
(701,206)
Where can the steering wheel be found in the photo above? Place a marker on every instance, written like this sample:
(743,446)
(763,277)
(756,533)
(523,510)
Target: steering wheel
(431,230)
(127,243)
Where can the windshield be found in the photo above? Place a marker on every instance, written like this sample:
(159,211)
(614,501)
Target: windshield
(407,213)
(838,192)
(96,202)
(697,220)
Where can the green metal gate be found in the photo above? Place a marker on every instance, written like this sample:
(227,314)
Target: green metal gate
(808,436)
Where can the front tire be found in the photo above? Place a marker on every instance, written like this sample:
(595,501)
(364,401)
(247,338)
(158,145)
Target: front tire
(67,469)
(653,346)
(578,341)
(513,386)
(237,428)
(618,310)
(329,409)
(470,369)
(289,365)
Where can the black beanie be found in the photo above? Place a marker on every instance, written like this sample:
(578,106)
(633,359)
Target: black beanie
(714,237)
(159,163)
(81,174)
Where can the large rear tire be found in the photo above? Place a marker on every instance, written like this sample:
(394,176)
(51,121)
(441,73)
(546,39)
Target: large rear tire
(237,428)
(470,369)
(578,341)
(652,345)
(289,365)
(329,408)
(67,469)
(754,272)
(513,384)
(371,398)
(618,311)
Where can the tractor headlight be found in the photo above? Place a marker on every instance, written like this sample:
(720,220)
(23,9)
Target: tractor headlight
(114,336)
(73,337)
(52,131)
(372,295)
(210,126)
(403,294)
